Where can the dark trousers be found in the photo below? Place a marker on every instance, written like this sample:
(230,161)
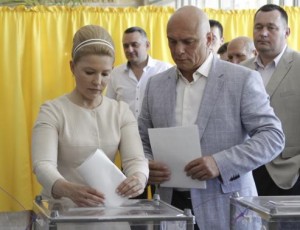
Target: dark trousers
(266,186)
(182,200)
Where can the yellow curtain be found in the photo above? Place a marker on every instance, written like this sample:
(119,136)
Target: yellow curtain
(240,23)
(35,46)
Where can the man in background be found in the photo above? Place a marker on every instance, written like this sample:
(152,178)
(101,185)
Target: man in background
(279,67)
(222,52)
(240,49)
(128,81)
(216,29)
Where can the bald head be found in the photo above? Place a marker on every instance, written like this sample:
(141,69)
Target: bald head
(240,49)
(189,39)
(188,17)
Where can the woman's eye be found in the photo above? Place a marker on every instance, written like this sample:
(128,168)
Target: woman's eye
(106,74)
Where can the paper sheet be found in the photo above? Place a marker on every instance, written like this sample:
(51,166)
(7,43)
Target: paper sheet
(102,174)
(176,147)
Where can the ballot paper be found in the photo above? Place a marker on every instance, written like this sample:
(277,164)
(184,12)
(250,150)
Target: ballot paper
(176,147)
(101,173)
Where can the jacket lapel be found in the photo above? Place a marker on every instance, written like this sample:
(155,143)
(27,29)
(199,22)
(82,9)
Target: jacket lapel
(211,92)
(281,71)
(170,95)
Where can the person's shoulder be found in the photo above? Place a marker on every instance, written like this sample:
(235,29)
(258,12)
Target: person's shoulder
(162,63)
(56,102)
(295,54)
(119,69)
(237,71)
(115,107)
(109,102)
(290,58)
(247,62)
(290,50)
(156,63)
(231,67)
(167,73)
(53,108)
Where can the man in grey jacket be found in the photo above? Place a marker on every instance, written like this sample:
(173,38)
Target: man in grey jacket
(279,67)
(238,130)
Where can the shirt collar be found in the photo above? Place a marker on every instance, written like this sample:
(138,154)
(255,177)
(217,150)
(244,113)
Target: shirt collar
(150,63)
(205,67)
(258,62)
(203,70)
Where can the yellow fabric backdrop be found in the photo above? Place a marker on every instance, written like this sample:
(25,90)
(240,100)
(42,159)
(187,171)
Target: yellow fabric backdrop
(35,47)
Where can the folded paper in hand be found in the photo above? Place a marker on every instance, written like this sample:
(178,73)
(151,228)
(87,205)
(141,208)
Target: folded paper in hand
(102,174)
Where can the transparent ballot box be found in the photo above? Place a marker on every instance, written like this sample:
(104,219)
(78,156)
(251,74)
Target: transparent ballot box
(133,215)
(265,213)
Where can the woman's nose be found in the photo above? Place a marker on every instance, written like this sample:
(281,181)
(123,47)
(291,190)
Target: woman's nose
(97,79)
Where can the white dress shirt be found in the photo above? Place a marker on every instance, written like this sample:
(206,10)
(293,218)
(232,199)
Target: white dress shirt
(267,71)
(124,86)
(189,94)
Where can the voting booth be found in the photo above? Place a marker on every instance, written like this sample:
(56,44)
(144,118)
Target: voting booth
(132,215)
(265,213)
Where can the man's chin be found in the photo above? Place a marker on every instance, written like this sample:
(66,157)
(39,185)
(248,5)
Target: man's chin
(182,65)
(263,49)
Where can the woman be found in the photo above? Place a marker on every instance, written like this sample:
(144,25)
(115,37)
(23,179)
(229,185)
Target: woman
(72,127)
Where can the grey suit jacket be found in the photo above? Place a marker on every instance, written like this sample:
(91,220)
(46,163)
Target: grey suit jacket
(237,126)
(284,91)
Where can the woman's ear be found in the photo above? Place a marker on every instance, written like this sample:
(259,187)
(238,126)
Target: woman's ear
(72,67)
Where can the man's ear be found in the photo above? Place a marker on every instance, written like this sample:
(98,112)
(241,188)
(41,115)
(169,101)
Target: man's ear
(287,32)
(209,38)
(255,53)
(222,40)
(148,44)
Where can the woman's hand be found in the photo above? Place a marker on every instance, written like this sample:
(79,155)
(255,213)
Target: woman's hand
(81,195)
(132,186)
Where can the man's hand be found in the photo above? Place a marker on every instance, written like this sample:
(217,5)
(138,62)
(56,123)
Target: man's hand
(159,172)
(203,168)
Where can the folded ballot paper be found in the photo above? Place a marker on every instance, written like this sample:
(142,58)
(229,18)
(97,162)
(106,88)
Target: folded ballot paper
(101,173)
(176,147)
